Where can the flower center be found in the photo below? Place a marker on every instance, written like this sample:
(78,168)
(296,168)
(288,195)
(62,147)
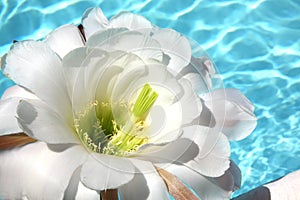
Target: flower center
(98,130)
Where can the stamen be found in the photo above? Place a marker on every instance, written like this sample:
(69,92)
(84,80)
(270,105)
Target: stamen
(123,143)
(89,130)
(105,116)
(99,132)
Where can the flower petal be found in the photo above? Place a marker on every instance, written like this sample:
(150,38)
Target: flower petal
(233,113)
(165,125)
(93,20)
(64,39)
(8,109)
(103,37)
(231,180)
(72,64)
(205,118)
(146,184)
(129,41)
(102,172)
(130,21)
(160,78)
(213,157)
(181,150)
(84,68)
(190,102)
(36,67)
(17,91)
(198,148)
(174,45)
(133,68)
(86,193)
(9,123)
(200,72)
(76,190)
(198,83)
(72,188)
(39,121)
(34,171)
(81,66)
(200,184)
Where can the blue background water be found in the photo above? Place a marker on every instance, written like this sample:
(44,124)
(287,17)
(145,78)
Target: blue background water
(254,43)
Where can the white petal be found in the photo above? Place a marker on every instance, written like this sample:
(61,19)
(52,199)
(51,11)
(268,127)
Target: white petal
(83,67)
(36,67)
(9,123)
(72,64)
(181,150)
(90,73)
(214,150)
(231,180)
(103,37)
(17,91)
(198,147)
(198,83)
(234,95)
(39,121)
(133,69)
(146,184)
(8,108)
(106,82)
(102,172)
(35,171)
(174,45)
(205,118)
(64,39)
(129,41)
(233,113)
(206,189)
(86,193)
(200,72)
(165,125)
(190,102)
(93,20)
(76,190)
(72,188)
(96,75)
(160,78)
(130,21)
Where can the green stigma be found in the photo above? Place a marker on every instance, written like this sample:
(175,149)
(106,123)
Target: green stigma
(144,102)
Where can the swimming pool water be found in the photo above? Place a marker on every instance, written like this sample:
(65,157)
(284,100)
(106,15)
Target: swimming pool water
(254,43)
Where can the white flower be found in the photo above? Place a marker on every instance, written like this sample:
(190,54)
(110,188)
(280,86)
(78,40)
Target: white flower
(108,106)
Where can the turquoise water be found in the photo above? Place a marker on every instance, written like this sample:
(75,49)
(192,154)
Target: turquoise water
(255,45)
